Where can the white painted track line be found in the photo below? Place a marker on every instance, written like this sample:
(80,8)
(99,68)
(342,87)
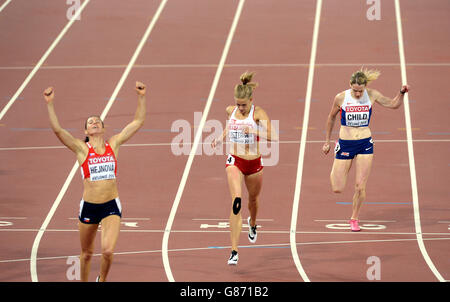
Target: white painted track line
(170,144)
(4,5)
(301,155)
(58,199)
(270,65)
(412,166)
(42,60)
(198,136)
(243,246)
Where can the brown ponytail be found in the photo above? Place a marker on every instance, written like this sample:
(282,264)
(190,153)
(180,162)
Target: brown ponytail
(245,90)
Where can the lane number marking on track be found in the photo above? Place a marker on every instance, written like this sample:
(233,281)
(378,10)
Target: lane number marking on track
(5,223)
(222,225)
(131,224)
(126,222)
(346,226)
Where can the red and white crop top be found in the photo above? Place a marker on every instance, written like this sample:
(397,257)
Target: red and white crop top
(236,128)
(99,167)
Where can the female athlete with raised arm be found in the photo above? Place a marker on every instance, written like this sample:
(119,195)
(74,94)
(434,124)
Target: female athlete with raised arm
(355,139)
(98,161)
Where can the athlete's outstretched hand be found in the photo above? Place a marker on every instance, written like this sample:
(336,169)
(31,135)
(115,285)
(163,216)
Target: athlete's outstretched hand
(49,94)
(140,88)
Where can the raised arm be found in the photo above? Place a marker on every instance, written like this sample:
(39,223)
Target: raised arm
(74,144)
(331,119)
(138,121)
(384,101)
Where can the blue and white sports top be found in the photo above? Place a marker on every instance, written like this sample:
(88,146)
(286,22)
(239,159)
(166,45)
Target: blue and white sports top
(356,112)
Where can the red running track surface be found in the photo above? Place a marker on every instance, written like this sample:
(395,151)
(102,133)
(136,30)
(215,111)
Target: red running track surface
(179,62)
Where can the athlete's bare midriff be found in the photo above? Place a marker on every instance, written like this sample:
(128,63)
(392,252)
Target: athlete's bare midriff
(100,191)
(354,133)
(245,151)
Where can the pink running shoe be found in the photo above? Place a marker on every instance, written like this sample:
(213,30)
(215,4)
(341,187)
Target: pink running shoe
(354,225)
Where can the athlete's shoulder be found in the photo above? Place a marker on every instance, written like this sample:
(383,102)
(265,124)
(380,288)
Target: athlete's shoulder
(258,109)
(339,98)
(373,94)
(260,113)
(229,110)
(340,95)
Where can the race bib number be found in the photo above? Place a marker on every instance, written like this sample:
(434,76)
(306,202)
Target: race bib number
(230,160)
(337,147)
(357,116)
(102,171)
(241,138)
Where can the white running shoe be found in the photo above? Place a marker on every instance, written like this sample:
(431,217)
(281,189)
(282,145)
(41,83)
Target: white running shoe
(233,258)
(251,232)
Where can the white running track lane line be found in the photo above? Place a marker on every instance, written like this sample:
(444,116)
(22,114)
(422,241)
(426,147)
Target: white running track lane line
(169,144)
(197,139)
(301,155)
(412,166)
(58,199)
(5,4)
(42,60)
(207,231)
(276,65)
(224,247)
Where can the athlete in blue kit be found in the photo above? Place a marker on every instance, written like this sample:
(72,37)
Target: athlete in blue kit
(355,139)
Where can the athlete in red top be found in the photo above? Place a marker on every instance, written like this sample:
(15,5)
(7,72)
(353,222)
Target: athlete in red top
(97,158)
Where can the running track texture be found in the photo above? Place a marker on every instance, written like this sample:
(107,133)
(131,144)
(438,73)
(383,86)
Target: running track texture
(176,207)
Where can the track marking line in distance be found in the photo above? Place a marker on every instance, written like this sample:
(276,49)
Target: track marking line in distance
(5,4)
(412,166)
(42,60)
(198,136)
(301,155)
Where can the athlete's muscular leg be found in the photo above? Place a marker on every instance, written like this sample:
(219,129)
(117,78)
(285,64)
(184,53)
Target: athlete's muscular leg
(87,238)
(234,177)
(339,174)
(110,234)
(254,184)
(363,166)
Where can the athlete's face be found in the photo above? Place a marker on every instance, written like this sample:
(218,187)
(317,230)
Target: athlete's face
(94,125)
(357,90)
(244,105)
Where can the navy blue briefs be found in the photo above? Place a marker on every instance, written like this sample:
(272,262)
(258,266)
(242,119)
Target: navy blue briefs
(348,149)
(93,213)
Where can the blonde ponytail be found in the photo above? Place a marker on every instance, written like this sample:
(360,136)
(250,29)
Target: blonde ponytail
(245,90)
(364,76)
